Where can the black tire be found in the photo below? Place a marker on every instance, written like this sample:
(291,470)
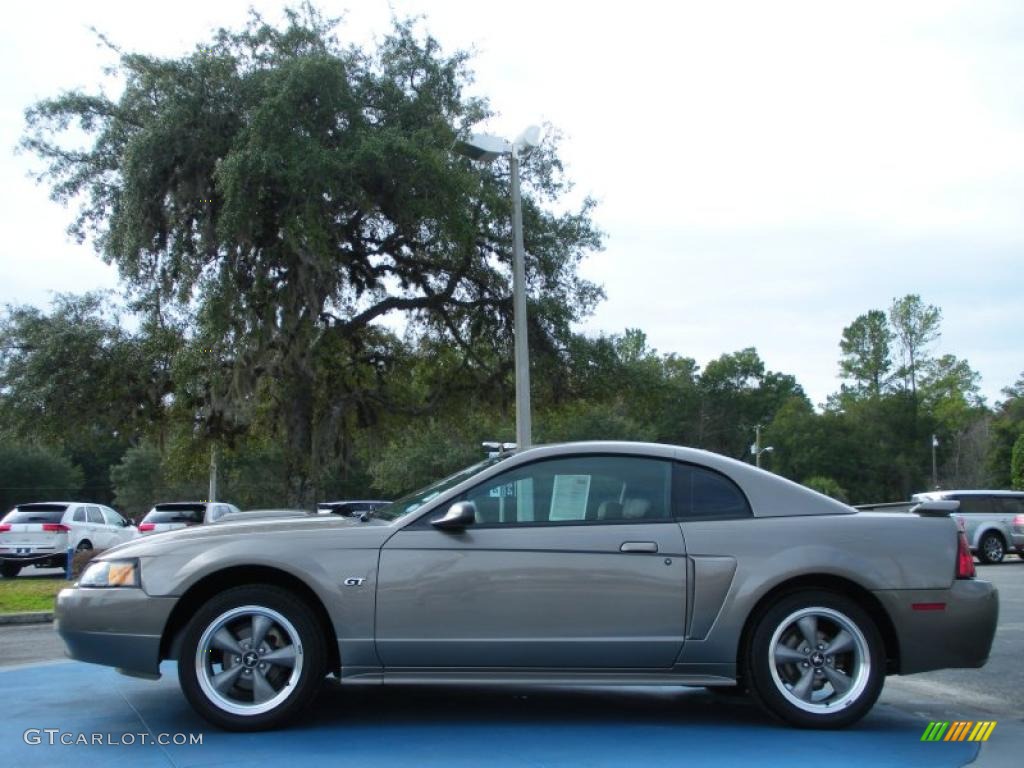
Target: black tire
(781,689)
(304,637)
(991,548)
(84,546)
(9,570)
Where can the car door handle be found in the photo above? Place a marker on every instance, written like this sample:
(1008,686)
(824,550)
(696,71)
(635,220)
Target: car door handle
(638,546)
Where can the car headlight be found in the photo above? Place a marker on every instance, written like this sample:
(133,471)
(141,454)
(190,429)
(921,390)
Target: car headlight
(111,573)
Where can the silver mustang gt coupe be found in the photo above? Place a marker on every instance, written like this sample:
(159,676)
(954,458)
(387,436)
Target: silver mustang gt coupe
(578,564)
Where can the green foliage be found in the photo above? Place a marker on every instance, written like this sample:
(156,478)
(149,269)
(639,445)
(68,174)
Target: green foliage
(32,473)
(292,190)
(915,326)
(866,357)
(827,486)
(1007,427)
(433,449)
(77,373)
(270,198)
(581,420)
(1017,464)
(142,479)
(736,394)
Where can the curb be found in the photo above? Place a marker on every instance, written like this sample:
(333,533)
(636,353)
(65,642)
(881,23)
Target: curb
(30,617)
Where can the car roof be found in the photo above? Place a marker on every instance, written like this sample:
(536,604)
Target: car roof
(973,492)
(770,495)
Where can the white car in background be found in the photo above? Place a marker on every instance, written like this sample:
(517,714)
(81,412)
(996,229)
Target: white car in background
(172,515)
(39,534)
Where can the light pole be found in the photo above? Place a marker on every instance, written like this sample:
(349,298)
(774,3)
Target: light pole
(756,448)
(213,473)
(487,148)
(935,466)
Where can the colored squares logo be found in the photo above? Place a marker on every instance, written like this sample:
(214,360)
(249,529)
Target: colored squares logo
(958,730)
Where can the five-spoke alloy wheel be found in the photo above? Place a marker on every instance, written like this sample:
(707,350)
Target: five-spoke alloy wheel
(991,548)
(816,660)
(252,657)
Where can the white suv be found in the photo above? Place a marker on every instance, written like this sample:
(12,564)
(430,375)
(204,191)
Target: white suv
(39,534)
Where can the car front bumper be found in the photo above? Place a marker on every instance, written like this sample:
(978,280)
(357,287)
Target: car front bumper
(119,627)
(943,628)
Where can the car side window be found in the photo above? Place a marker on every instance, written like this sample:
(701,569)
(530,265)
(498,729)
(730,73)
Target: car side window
(1009,505)
(94,515)
(79,515)
(699,493)
(974,505)
(111,517)
(576,490)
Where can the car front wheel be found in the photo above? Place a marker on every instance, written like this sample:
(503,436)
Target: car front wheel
(991,549)
(816,660)
(252,658)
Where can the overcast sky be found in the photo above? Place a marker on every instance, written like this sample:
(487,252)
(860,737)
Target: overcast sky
(766,171)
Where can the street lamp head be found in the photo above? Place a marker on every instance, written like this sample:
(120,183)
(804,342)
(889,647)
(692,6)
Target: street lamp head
(769,449)
(529,138)
(483,147)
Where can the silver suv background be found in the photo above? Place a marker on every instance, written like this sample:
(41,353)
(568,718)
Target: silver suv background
(994,520)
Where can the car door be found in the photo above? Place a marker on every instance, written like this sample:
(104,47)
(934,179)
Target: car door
(99,532)
(572,562)
(79,525)
(117,526)
(977,513)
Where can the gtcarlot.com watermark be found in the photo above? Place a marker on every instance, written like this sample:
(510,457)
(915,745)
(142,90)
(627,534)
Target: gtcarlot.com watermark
(54,736)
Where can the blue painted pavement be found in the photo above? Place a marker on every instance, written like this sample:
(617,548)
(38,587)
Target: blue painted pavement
(385,727)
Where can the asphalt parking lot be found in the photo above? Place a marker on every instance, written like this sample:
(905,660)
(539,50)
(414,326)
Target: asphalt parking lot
(416,726)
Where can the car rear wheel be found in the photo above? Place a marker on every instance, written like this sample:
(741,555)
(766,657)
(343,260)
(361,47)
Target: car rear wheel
(83,546)
(252,658)
(991,548)
(816,660)
(9,570)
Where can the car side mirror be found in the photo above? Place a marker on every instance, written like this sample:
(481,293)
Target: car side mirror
(459,516)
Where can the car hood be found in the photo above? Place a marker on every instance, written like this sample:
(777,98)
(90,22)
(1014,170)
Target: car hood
(158,543)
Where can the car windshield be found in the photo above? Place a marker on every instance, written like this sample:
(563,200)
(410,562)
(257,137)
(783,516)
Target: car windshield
(413,501)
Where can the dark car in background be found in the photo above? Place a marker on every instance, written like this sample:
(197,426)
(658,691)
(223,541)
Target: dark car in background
(171,516)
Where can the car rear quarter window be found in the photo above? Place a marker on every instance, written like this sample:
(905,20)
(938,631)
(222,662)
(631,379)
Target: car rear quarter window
(699,493)
(1009,505)
(576,490)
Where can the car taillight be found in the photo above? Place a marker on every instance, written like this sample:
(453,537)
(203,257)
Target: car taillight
(1018,522)
(964,559)
(5,527)
(55,528)
(146,527)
